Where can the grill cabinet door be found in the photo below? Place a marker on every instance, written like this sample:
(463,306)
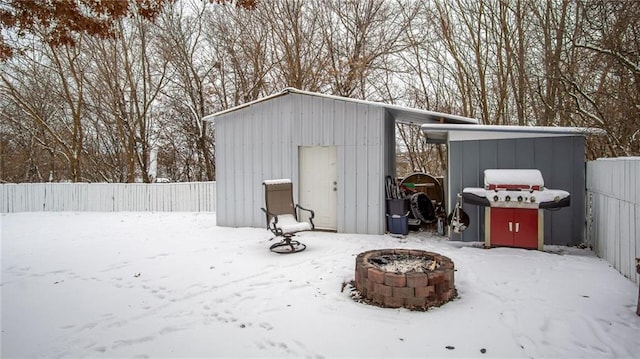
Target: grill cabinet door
(502,226)
(525,230)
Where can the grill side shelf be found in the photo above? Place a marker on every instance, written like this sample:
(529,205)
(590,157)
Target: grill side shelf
(475,200)
(564,202)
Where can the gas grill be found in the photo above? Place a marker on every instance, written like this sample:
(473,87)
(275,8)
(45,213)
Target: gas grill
(513,201)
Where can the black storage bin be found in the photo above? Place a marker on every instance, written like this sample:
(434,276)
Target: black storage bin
(398,206)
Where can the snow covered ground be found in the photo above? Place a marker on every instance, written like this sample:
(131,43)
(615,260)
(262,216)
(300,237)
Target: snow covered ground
(176,285)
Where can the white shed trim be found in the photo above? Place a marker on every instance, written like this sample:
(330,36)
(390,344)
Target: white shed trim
(440,133)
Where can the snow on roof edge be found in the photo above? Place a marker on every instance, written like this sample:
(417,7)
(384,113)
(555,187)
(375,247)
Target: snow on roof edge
(509,128)
(468,120)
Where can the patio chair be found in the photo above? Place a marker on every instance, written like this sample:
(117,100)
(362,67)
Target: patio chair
(282,216)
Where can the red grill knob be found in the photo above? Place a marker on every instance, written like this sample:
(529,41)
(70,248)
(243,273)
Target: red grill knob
(507,198)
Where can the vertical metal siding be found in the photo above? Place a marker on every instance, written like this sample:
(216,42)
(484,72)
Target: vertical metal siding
(472,174)
(544,149)
(348,198)
(526,155)
(485,162)
(329,134)
(506,154)
(250,165)
(613,228)
(240,147)
(560,159)
(261,142)
(225,160)
(355,129)
(230,176)
(340,109)
(225,170)
(362,166)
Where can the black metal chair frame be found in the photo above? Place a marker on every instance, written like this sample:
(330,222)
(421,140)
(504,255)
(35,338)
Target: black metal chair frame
(285,206)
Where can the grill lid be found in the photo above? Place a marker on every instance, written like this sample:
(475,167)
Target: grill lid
(513,179)
(515,188)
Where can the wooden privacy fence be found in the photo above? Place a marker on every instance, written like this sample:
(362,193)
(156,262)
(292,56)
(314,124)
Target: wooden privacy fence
(108,197)
(613,212)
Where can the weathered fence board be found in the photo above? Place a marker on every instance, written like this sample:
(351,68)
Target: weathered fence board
(108,197)
(613,227)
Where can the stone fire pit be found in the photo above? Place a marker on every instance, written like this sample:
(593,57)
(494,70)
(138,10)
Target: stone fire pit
(407,278)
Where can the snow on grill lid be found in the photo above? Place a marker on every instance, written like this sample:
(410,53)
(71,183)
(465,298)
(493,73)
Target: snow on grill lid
(532,177)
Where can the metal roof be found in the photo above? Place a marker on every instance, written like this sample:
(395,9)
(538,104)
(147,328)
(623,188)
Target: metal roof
(440,133)
(401,114)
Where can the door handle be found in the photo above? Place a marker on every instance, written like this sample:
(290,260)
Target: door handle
(510,226)
(517,227)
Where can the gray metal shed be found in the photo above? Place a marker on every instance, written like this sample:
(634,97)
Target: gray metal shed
(336,150)
(558,152)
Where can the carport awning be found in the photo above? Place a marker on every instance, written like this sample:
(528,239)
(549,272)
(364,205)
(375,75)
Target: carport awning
(414,116)
(441,133)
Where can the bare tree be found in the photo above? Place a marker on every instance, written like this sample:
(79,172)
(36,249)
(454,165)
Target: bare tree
(359,35)
(605,90)
(102,109)
(56,109)
(297,46)
(181,32)
(553,23)
(239,42)
(63,22)
(126,84)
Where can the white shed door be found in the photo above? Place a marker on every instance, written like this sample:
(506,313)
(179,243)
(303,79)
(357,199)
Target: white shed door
(319,184)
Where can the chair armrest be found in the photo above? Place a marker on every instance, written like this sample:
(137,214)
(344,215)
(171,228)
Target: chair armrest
(273,226)
(304,209)
(310,217)
(275,217)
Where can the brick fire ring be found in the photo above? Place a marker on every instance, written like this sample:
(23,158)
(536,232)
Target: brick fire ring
(415,289)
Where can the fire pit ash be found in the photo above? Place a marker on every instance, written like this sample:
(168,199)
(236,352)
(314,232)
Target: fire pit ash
(407,278)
